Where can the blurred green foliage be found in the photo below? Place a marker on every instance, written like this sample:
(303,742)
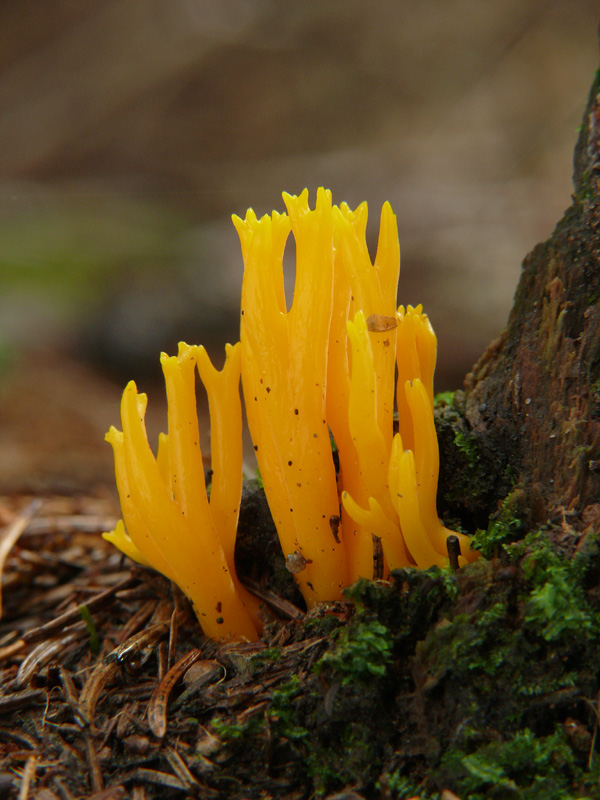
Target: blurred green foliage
(69,248)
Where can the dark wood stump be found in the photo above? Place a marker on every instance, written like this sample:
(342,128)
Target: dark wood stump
(530,415)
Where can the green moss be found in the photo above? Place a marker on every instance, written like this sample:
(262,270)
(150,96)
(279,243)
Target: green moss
(518,631)
(339,717)
(361,652)
(396,786)
(465,681)
(320,625)
(522,766)
(511,475)
(506,525)
(467,446)
(556,607)
(408,606)
(334,748)
(510,663)
(443,398)
(270,655)
(468,647)
(283,713)
(235,731)
(465,488)
(585,190)
(341,760)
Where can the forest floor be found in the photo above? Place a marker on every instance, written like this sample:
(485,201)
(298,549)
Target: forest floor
(434,684)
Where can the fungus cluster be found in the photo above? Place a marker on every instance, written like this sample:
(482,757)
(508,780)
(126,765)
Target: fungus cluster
(328,366)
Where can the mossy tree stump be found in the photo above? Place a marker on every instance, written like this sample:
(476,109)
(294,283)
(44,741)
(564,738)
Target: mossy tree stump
(532,403)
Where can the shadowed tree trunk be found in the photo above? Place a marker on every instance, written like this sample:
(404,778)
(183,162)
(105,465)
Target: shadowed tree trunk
(530,416)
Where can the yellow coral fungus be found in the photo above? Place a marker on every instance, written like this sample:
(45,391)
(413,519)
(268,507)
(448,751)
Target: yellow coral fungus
(372,288)
(284,375)
(169,521)
(412,466)
(326,364)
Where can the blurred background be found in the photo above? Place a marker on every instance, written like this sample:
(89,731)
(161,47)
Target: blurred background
(132,129)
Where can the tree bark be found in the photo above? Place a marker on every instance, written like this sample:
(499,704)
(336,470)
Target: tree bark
(530,415)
